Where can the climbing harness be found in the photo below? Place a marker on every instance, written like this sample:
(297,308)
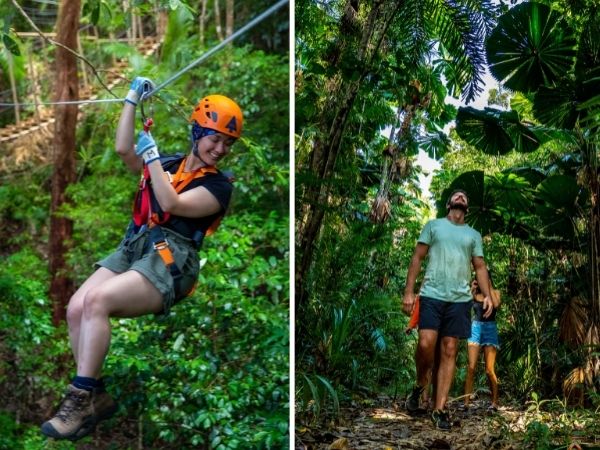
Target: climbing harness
(144,212)
(148,215)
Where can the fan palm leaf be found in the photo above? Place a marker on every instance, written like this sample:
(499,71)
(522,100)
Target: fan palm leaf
(560,195)
(532,45)
(495,132)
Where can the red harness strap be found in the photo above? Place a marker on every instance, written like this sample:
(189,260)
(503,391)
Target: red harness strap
(142,206)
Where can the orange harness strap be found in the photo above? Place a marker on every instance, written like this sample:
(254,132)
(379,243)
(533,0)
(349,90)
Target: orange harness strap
(179,181)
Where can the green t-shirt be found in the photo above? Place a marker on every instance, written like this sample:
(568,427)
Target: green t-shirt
(451,249)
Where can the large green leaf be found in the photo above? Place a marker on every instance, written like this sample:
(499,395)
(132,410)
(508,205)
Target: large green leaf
(494,131)
(531,46)
(558,210)
(563,105)
(483,130)
(523,137)
(436,144)
(533,175)
(512,193)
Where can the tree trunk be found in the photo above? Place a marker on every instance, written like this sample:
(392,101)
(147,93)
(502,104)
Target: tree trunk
(35,86)
(202,21)
(161,22)
(229,9)
(325,151)
(218,20)
(66,88)
(13,86)
(594,237)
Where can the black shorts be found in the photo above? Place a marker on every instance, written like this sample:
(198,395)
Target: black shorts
(447,318)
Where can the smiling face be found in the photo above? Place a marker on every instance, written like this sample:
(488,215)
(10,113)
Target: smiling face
(211,149)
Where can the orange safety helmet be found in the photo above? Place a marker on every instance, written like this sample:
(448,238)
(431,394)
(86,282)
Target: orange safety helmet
(219,113)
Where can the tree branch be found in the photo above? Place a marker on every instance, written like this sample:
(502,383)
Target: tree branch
(58,44)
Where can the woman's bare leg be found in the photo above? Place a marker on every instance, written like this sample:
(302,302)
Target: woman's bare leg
(473,356)
(489,354)
(129,294)
(75,308)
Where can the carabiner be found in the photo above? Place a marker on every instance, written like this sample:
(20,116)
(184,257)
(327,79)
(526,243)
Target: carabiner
(146,122)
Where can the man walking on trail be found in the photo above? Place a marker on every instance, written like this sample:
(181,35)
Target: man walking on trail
(445,299)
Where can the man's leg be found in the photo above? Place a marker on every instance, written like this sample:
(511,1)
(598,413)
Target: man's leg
(424,357)
(75,308)
(489,354)
(448,351)
(473,355)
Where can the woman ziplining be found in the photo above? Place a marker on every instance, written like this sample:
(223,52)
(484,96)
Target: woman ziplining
(180,200)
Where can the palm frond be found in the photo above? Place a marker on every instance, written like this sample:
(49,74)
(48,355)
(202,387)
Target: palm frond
(413,41)
(462,28)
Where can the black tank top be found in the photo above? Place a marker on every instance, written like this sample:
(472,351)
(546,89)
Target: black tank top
(478,308)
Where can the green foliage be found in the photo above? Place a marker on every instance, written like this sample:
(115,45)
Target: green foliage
(538,434)
(215,373)
(313,394)
(545,46)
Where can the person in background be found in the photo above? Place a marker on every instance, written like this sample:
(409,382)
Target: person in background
(484,334)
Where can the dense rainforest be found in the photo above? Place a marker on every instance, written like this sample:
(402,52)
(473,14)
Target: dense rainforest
(376,84)
(213,374)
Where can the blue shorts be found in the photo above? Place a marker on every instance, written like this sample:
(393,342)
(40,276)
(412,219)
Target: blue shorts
(447,318)
(484,333)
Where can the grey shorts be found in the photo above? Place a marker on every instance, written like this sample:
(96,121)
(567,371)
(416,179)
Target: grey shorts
(137,253)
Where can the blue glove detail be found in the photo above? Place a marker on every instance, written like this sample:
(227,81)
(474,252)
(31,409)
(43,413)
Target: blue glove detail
(146,147)
(140,87)
(145,142)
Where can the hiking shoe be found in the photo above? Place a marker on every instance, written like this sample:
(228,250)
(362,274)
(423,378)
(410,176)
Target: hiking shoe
(441,419)
(75,417)
(414,399)
(104,405)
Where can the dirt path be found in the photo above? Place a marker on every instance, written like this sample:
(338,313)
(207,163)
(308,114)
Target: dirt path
(386,425)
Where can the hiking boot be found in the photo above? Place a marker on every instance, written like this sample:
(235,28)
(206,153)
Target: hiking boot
(104,405)
(414,399)
(75,417)
(441,419)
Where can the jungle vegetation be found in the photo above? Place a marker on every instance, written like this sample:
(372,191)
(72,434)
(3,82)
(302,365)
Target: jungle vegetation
(215,373)
(372,81)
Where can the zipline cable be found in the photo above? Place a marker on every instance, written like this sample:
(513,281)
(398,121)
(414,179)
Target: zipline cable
(190,66)
(218,47)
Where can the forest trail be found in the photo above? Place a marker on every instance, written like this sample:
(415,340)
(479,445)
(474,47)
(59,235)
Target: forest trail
(16,143)
(384,424)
